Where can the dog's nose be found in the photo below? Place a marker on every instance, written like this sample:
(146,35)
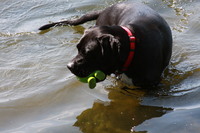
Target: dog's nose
(70,65)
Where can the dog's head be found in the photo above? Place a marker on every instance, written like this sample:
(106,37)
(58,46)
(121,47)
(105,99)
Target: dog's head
(97,50)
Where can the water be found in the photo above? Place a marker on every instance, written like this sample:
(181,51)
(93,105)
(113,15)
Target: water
(38,94)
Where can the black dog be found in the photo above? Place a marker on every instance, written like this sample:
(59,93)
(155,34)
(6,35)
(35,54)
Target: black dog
(141,48)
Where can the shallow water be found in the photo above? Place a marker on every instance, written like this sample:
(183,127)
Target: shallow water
(38,94)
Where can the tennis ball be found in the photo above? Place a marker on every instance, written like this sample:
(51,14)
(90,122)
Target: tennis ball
(84,80)
(92,82)
(92,78)
(99,75)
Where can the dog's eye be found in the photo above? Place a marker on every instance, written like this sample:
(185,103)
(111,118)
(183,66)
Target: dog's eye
(88,50)
(84,52)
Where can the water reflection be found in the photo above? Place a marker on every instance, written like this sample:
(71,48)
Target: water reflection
(36,96)
(121,115)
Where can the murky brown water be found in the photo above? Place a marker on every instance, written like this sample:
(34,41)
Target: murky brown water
(39,95)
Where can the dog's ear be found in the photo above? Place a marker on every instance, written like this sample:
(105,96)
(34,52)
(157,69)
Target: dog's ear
(108,43)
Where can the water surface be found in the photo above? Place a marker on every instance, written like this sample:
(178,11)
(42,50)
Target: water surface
(38,94)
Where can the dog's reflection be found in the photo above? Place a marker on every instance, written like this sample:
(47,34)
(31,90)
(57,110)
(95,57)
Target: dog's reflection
(120,115)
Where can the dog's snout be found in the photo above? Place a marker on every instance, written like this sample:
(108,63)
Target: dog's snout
(70,65)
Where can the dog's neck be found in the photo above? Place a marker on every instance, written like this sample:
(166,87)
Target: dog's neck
(125,58)
(131,51)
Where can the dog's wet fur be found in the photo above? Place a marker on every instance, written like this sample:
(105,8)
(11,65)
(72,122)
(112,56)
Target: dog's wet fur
(105,46)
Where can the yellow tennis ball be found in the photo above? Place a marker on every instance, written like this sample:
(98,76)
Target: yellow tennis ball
(91,82)
(84,80)
(93,78)
(99,75)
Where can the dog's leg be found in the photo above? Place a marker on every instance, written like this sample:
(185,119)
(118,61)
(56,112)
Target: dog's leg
(87,17)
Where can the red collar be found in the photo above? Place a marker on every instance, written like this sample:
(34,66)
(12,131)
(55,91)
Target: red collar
(132,49)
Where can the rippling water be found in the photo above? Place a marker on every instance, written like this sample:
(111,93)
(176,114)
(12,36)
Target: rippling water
(38,94)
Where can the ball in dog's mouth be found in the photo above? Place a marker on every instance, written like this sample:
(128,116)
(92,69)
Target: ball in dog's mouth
(93,78)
